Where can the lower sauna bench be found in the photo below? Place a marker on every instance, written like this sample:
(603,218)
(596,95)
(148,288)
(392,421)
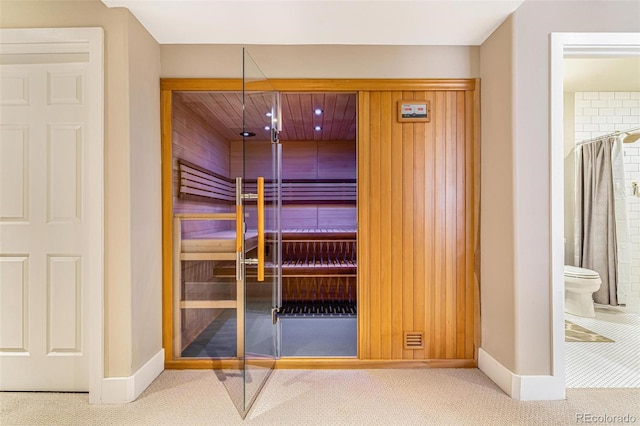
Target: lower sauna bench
(205,304)
(318,316)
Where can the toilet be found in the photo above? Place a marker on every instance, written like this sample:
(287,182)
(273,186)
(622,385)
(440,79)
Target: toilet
(579,286)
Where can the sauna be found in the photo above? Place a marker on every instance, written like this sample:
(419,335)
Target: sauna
(316,249)
(375,234)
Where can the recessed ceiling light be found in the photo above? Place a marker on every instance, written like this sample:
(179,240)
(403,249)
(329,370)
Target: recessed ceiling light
(317,111)
(247,134)
(317,128)
(267,128)
(268,114)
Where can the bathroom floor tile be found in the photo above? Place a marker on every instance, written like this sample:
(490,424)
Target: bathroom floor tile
(605,364)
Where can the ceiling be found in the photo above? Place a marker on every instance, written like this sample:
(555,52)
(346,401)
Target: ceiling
(223,111)
(390,22)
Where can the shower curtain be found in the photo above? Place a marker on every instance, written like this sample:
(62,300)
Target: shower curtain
(595,217)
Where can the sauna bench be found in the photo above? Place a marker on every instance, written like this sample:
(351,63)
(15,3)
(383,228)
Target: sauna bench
(311,253)
(208,294)
(319,234)
(216,242)
(319,252)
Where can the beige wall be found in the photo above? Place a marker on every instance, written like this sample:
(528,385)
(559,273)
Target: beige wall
(529,175)
(131,112)
(602,74)
(146,202)
(312,61)
(497,206)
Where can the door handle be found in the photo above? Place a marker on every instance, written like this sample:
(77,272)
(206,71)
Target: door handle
(261,229)
(239,229)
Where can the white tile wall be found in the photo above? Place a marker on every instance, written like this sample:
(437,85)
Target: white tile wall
(600,113)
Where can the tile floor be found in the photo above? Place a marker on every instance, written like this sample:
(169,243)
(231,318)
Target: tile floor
(602,364)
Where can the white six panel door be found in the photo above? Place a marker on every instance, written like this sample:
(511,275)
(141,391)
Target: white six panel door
(44,159)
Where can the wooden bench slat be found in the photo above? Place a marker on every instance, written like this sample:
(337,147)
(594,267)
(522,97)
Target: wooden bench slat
(209,194)
(206,184)
(208,304)
(208,256)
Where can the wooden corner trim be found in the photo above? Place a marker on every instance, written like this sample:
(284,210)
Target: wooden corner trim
(318,85)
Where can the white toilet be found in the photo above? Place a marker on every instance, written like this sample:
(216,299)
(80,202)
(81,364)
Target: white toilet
(579,286)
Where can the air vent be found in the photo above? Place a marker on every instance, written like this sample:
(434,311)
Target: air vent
(414,340)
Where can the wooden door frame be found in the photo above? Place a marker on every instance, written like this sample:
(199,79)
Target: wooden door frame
(359,86)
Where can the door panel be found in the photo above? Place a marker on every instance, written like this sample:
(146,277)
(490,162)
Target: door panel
(260,257)
(45,235)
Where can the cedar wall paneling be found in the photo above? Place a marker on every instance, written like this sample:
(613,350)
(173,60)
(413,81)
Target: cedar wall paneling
(195,141)
(304,160)
(300,159)
(416,242)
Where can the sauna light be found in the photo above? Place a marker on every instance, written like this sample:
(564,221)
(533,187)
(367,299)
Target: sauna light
(317,128)
(247,134)
(317,111)
(267,128)
(268,114)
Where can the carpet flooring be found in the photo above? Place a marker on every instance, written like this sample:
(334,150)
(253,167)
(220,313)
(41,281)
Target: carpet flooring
(326,397)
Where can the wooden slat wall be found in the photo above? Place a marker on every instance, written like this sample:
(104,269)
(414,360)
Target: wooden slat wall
(195,140)
(416,226)
(300,159)
(305,160)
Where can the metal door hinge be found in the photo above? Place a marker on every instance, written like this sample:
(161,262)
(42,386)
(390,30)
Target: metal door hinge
(274,315)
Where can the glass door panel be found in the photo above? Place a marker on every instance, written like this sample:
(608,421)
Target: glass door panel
(261,243)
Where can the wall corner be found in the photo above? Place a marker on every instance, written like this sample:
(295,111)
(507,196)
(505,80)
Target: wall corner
(122,390)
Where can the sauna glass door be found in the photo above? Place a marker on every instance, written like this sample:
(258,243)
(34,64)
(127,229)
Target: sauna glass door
(261,156)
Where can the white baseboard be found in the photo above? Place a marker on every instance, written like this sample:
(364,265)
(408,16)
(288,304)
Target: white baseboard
(522,388)
(120,390)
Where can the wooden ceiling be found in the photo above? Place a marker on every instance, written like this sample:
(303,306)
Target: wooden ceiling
(223,110)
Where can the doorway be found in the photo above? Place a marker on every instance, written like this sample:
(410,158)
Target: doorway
(229,188)
(600,45)
(602,96)
(318,255)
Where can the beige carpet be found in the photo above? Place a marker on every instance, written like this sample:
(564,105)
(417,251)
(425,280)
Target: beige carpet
(576,333)
(324,397)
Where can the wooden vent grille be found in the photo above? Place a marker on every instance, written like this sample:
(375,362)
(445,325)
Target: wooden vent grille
(414,340)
